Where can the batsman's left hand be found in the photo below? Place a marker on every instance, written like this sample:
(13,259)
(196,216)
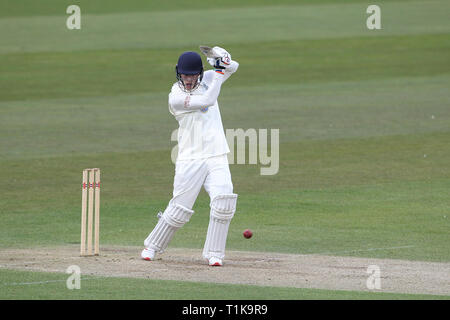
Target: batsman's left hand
(217,57)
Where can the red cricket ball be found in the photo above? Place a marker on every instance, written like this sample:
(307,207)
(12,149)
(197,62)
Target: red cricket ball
(247,233)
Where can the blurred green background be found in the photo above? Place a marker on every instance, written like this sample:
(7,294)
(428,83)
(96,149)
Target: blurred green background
(364,120)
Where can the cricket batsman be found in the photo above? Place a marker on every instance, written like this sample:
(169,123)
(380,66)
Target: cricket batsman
(202,154)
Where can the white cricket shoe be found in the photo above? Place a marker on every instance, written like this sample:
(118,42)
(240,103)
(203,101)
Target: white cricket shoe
(215,262)
(148,254)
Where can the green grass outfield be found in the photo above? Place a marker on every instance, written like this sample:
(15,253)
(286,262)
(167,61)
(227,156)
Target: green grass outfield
(37,285)
(364,120)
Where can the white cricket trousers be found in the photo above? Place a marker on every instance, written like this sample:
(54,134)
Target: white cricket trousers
(190,176)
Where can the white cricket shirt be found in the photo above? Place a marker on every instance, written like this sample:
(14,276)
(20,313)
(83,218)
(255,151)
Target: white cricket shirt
(200,132)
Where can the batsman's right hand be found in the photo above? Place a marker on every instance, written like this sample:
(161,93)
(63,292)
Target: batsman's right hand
(217,63)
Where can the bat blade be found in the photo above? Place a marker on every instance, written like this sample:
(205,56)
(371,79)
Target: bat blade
(209,52)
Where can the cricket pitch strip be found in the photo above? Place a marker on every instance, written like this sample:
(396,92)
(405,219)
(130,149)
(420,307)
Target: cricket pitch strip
(240,267)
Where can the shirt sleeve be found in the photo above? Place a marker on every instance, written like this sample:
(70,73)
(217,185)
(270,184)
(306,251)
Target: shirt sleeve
(232,68)
(180,101)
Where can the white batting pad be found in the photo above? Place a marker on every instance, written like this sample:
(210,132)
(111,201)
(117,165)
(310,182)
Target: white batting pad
(173,218)
(223,208)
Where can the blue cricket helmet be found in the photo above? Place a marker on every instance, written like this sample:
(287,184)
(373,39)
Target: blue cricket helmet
(189,63)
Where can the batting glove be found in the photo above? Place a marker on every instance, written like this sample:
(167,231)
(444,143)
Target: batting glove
(218,57)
